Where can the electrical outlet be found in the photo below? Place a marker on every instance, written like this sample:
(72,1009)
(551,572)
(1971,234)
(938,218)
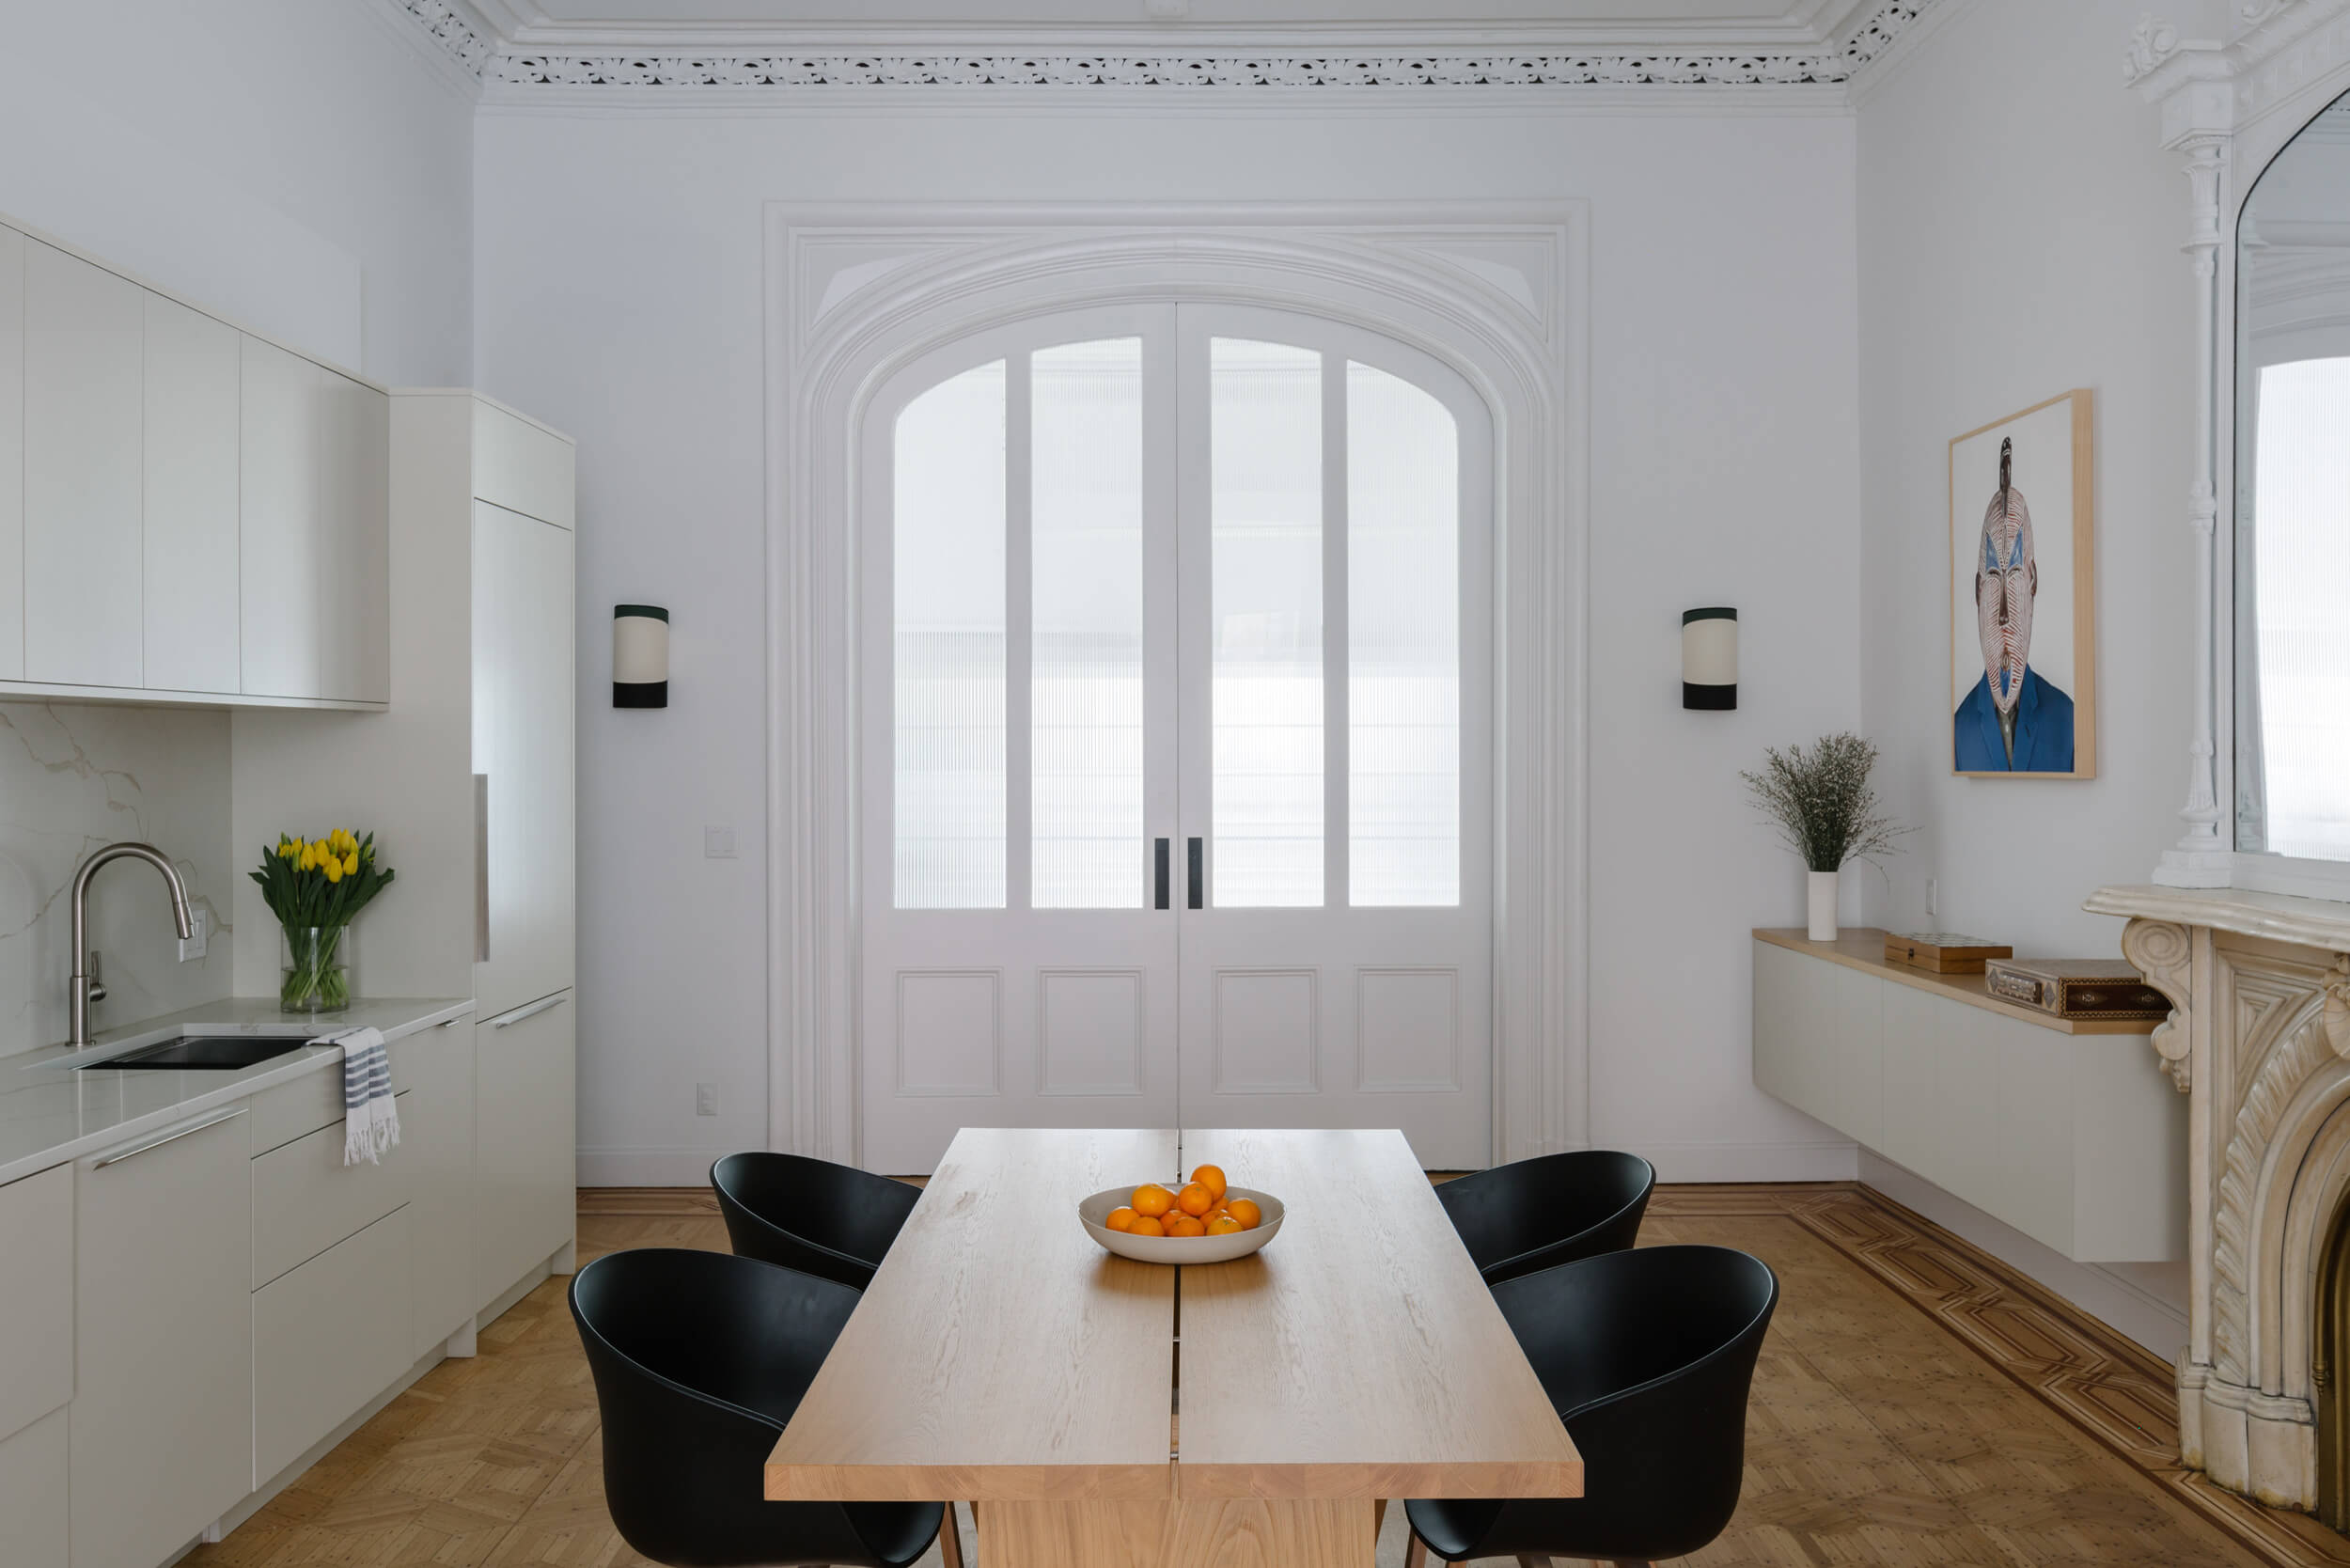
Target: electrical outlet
(717,844)
(705,1099)
(199,926)
(1933,898)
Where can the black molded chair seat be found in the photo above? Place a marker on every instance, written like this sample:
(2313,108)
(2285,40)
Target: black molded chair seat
(1531,1215)
(834,1221)
(1648,1357)
(700,1360)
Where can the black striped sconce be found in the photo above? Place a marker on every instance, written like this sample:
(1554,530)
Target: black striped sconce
(1709,658)
(640,656)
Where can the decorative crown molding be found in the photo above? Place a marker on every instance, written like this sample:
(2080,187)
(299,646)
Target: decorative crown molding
(677,69)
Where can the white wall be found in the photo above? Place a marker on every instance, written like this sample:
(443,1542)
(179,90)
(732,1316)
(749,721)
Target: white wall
(2020,226)
(618,295)
(296,164)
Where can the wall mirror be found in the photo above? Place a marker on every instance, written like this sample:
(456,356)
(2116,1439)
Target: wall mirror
(2291,636)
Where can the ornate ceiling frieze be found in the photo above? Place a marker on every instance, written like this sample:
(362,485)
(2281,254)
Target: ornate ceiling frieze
(682,70)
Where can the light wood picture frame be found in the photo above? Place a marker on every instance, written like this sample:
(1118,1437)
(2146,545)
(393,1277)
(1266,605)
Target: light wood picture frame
(2033,540)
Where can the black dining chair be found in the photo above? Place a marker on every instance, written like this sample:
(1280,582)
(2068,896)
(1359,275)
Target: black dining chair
(700,1360)
(1532,1215)
(834,1221)
(1648,1356)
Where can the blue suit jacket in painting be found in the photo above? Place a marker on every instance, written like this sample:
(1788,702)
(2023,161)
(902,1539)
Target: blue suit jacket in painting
(2044,729)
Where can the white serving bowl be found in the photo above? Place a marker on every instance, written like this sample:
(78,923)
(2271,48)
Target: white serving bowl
(1178,1249)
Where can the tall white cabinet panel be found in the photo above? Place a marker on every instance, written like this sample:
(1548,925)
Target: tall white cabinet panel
(437,1128)
(83,366)
(12,455)
(524,714)
(163,1404)
(33,1491)
(278,545)
(526,1205)
(354,540)
(190,551)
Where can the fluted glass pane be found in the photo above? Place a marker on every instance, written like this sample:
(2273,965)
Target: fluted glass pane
(1265,610)
(2303,539)
(1404,643)
(950,644)
(1086,681)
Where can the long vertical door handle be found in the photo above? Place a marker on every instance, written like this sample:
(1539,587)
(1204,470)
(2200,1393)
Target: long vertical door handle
(1160,866)
(1196,849)
(482,868)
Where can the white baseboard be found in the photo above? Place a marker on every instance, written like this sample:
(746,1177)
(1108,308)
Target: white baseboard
(1750,1162)
(646,1167)
(2139,1307)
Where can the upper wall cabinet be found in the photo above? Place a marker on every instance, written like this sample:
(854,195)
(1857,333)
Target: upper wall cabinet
(188,513)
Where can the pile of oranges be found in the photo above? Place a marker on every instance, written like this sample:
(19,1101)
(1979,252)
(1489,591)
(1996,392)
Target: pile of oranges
(1198,1209)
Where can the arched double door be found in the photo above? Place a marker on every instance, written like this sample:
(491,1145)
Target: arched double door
(1176,718)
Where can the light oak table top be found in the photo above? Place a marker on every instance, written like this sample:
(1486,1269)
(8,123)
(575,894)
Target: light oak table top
(999,1356)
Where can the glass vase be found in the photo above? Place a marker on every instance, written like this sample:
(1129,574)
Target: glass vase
(316,969)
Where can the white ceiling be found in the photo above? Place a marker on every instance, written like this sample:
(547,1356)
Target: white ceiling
(1726,22)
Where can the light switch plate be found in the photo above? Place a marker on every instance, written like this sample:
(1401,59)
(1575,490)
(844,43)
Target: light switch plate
(200,926)
(705,1099)
(717,844)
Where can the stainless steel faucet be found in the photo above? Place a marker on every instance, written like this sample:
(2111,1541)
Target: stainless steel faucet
(78,999)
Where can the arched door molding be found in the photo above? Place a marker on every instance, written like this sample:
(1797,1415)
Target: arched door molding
(1497,294)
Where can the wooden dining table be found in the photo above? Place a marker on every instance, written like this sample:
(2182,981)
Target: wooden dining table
(1103,1413)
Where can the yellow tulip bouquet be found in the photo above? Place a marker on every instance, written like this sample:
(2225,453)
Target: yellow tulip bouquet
(315,887)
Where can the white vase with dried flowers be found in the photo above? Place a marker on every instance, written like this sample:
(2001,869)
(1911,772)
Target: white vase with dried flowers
(1823,805)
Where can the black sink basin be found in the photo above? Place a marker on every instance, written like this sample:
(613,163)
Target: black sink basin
(217,1054)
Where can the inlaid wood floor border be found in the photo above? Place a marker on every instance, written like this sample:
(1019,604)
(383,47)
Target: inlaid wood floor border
(2102,1381)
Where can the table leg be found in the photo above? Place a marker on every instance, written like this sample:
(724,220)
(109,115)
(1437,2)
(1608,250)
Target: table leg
(1222,1533)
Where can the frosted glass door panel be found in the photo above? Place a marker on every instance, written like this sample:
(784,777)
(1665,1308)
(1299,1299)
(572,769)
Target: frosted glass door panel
(1404,643)
(1087,668)
(948,575)
(1265,618)
(2302,478)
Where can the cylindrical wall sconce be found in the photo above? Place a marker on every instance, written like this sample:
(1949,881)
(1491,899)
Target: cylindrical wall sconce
(640,656)
(1709,658)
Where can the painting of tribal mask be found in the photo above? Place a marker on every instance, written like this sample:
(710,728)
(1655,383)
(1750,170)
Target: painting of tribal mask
(2023,665)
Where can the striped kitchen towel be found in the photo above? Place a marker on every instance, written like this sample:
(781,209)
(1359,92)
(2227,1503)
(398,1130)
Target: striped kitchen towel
(370,1116)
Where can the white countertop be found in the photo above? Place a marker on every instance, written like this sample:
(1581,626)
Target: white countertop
(51,1113)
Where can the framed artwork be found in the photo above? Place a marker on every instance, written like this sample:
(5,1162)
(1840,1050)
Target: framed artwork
(2023,599)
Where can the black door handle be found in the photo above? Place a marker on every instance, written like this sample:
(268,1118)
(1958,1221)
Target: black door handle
(1159,859)
(1199,853)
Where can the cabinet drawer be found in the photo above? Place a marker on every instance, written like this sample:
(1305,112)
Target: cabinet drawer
(305,1199)
(520,467)
(327,1337)
(296,1109)
(33,1508)
(36,1297)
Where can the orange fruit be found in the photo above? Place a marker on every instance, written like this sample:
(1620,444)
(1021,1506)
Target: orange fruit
(1118,1219)
(1224,1225)
(1185,1225)
(1195,1199)
(1144,1225)
(1212,1178)
(1245,1213)
(1152,1199)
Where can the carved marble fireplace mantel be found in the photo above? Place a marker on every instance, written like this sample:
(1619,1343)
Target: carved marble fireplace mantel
(2260,1041)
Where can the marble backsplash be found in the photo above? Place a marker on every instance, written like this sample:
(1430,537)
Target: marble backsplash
(75,777)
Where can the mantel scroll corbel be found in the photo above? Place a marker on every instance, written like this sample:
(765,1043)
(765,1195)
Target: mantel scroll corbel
(2161,951)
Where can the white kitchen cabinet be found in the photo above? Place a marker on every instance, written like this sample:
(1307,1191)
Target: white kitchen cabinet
(278,545)
(327,1337)
(354,540)
(189,554)
(36,1297)
(305,1199)
(34,1511)
(526,1204)
(12,455)
(521,466)
(436,1125)
(525,713)
(84,475)
(163,1397)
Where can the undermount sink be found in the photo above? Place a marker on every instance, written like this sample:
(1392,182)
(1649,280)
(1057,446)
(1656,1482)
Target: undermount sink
(201,1053)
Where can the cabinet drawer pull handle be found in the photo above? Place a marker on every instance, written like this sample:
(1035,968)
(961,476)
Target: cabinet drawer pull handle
(531,1012)
(482,868)
(168,1138)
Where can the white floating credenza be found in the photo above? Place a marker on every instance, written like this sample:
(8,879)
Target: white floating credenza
(2068,1131)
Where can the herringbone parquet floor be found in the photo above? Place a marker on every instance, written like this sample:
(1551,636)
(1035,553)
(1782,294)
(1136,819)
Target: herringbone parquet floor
(1916,1403)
